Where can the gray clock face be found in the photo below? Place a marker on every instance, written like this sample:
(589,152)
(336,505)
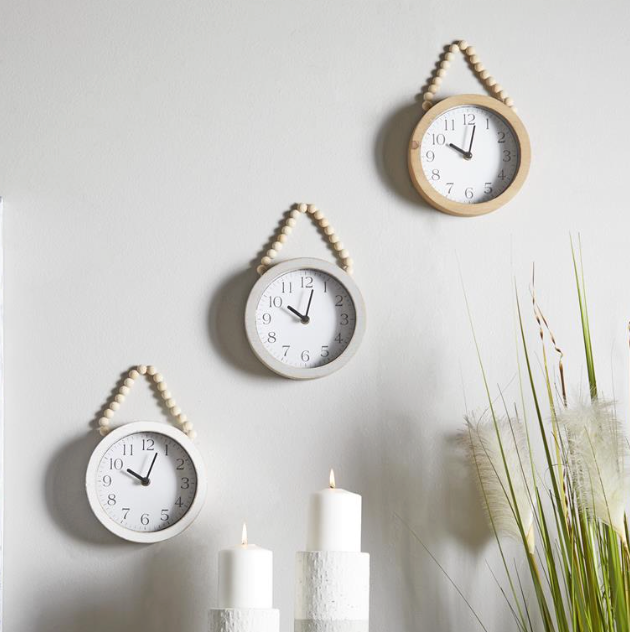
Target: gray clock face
(305,318)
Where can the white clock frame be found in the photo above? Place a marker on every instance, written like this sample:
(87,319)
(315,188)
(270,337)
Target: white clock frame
(133,428)
(300,373)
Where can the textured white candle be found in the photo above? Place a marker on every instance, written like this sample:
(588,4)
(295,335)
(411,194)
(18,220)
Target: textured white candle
(245,576)
(334,520)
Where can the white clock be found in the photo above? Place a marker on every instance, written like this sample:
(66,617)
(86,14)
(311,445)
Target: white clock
(469,155)
(305,318)
(146,482)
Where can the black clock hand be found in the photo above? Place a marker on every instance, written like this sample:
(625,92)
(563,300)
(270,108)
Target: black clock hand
(140,478)
(308,307)
(472,138)
(146,480)
(464,153)
(295,312)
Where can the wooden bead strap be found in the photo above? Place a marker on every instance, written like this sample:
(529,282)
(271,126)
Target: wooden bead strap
(494,89)
(318,217)
(151,373)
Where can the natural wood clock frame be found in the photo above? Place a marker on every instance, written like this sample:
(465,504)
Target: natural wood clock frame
(424,187)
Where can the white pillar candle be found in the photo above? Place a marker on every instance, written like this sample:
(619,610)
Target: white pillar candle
(245,576)
(334,520)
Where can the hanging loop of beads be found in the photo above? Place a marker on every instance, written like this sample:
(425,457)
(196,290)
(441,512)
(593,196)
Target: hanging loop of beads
(152,374)
(494,89)
(318,217)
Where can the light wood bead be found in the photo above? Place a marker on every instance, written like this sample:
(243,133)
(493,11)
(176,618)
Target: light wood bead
(509,102)
(142,369)
(463,45)
(427,96)
(182,418)
(294,214)
(277,246)
(454,48)
(157,378)
(440,73)
(265,261)
(271,253)
(114,406)
(445,64)
(151,370)
(437,81)
(338,246)
(128,382)
(166,394)
(473,59)
(261,269)
(329,230)
(324,223)
(124,390)
(318,215)
(192,435)
(282,238)
(133,374)
(496,88)
(103,431)
(162,386)
(344,254)
(426,105)
(349,270)
(490,81)
(290,222)
(170,403)
(348,262)
(432,88)
(287,230)
(119,398)
(514,109)
(311,208)
(108,412)
(187,426)
(479,67)
(449,56)
(470,51)
(503,95)
(176,410)
(484,74)
(302,207)
(104,422)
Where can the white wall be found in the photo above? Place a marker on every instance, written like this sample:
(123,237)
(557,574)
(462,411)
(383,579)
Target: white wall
(148,148)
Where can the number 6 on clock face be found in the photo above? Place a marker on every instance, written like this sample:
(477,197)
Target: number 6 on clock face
(305,318)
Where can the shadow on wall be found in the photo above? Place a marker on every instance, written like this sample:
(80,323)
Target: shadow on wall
(161,596)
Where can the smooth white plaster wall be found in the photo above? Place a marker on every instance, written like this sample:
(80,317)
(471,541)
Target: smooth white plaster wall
(148,149)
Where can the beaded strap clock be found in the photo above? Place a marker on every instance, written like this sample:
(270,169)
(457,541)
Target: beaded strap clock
(146,481)
(305,318)
(469,154)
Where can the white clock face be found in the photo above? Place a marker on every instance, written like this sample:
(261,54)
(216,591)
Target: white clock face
(305,318)
(470,154)
(146,482)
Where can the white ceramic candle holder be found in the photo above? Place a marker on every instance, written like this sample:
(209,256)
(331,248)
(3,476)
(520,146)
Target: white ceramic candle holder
(332,592)
(244,620)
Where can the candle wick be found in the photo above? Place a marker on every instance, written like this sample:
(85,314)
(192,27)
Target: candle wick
(332,479)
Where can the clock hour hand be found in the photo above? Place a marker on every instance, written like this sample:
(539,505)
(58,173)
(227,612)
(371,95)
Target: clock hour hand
(463,152)
(140,478)
(304,319)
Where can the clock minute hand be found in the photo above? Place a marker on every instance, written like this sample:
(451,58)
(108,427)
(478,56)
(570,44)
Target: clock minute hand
(145,480)
(306,319)
(472,138)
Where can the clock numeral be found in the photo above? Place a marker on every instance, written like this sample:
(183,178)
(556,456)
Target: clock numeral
(430,156)
(450,186)
(338,338)
(305,355)
(469,118)
(487,189)
(468,192)
(345,319)
(507,155)
(449,125)
(307,282)
(275,301)
(286,350)
(180,464)
(115,464)
(164,515)
(285,285)
(501,137)
(178,502)
(111,500)
(125,511)
(266,318)
(107,481)
(325,353)
(144,519)
(435,174)
(438,139)
(502,175)
(185,483)
(127,450)
(148,445)
(338,300)
(271,337)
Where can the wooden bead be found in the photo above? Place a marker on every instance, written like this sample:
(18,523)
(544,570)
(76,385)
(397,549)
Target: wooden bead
(496,88)
(167,394)
(271,253)
(454,48)
(282,238)
(348,262)
(445,64)
(142,369)
(157,378)
(428,96)
(437,81)
(318,215)
(162,387)
(294,214)
(114,406)
(124,390)
(344,254)
(514,109)
(119,398)
(473,59)
(176,410)
(503,95)
(509,102)
(324,222)
(291,222)
(170,402)
(484,74)
(433,88)
(151,370)
(261,270)
(490,81)
(133,374)
(339,246)
(349,270)
(277,246)
(128,382)
(426,105)
(440,73)
(479,67)
(311,208)
(103,422)
(449,56)
(470,50)
(103,431)
(182,418)
(187,426)
(302,207)
(286,230)
(463,45)
(109,413)
(265,261)
(329,230)
(192,435)
(333,239)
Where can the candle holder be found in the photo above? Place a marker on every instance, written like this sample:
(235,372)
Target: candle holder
(332,591)
(244,620)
